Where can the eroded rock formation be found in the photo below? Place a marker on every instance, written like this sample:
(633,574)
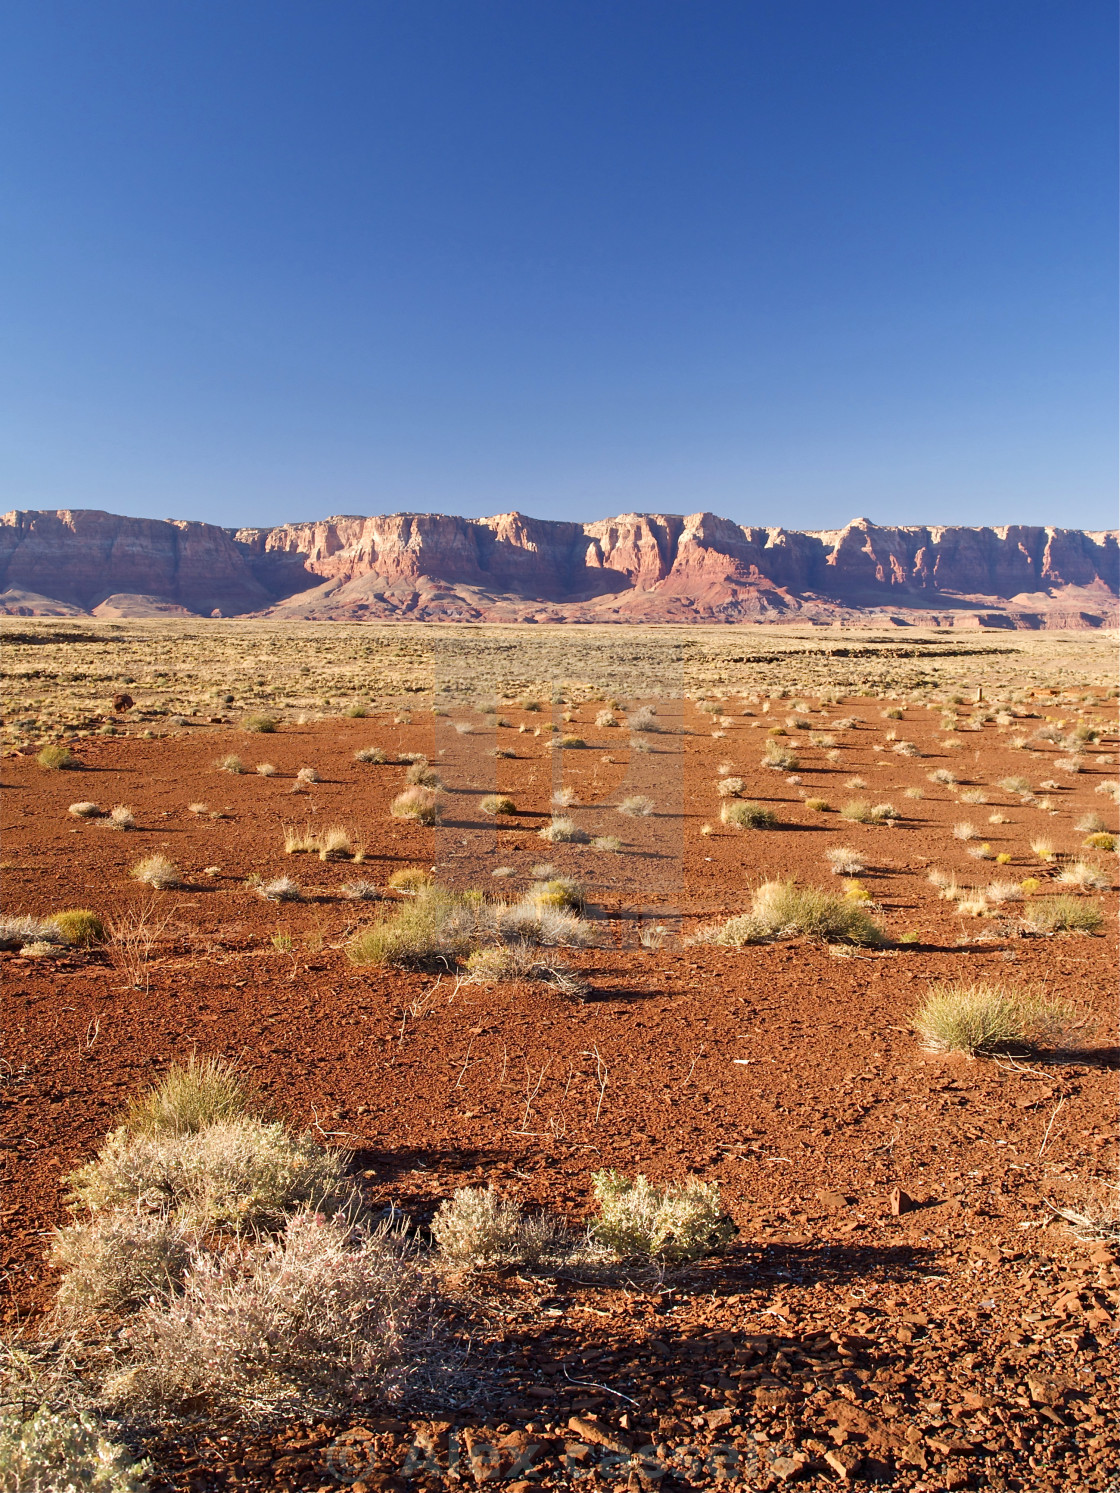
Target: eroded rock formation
(634,567)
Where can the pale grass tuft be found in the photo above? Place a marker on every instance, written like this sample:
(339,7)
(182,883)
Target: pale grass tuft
(845,861)
(496,804)
(1064,914)
(372,754)
(1081,874)
(964,831)
(85,810)
(158,872)
(780,909)
(420,804)
(636,806)
(564,831)
(280,889)
(730,787)
(743,814)
(189,1097)
(985,1018)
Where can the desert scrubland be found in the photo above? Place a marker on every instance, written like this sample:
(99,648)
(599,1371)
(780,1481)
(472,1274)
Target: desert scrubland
(406,953)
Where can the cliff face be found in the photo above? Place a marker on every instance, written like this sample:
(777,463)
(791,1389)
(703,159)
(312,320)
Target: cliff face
(654,567)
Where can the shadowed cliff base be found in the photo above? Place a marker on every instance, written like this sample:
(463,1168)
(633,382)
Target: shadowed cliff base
(636,568)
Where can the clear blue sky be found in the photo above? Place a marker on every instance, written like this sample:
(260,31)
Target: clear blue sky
(789,260)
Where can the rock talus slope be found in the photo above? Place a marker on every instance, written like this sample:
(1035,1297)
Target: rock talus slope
(630,568)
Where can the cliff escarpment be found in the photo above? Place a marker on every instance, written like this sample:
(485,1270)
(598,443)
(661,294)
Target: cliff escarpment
(631,568)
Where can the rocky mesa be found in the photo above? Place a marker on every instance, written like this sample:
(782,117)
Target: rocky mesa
(513,568)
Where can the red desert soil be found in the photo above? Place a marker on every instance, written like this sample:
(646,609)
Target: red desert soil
(966,1343)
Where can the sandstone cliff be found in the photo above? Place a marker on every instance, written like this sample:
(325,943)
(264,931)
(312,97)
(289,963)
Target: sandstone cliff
(634,567)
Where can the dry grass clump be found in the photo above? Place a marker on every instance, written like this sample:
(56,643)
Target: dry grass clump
(780,909)
(280,889)
(818,805)
(844,861)
(559,891)
(1088,824)
(645,719)
(743,814)
(80,927)
(499,964)
(1063,914)
(730,787)
(564,831)
(191,1096)
(409,880)
(1044,849)
(636,806)
(985,1018)
(568,743)
(69,1452)
(260,725)
(419,804)
(497,803)
(425,933)
(780,758)
(1100,840)
(24,931)
(120,816)
(303,841)
(335,843)
(638,1220)
(610,844)
(307,775)
(158,872)
(85,810)
(57,759)
(422,775)
(606,719)
(231,762)
(361,891)
(1081,874)
(859,812)
(374,754)
(906,749)
(964,831)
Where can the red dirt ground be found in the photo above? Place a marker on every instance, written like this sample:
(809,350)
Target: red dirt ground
(966,1343)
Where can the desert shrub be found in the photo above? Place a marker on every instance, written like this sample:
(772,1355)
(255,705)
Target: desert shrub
(818,805)
(779,757)
(637,1219)
(999,892)
(85,810)
(645,719)
(845,861)
(571,743)
(64,1453)
(239,1173)
(636,806)
(564,798)
(361,891)
(780,909)
(476,1227)
(80,927)
(609,843)
(1063,914)
(280,889)
(1100,840)
(892,714)
(559,891)
(158,872)
(57,759)
(421,775)
(372,754)
(564,831)
(265,770)
(24,930)
(497,803)
(730,787)
(119,1259)
(743,814)
(985,1018)
(303,1323)
(230,763)
(1017,785)
(906,749)
(261,725)
(189,1097)
(420,804)
(308,775)
(120,817)
(410,880)
(943,776)
(857,812)
(974,796)
(606,718)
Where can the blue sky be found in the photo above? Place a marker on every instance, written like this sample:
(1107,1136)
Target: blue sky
(788,260)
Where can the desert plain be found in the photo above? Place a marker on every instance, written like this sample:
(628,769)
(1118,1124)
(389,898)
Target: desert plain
(920,1288)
